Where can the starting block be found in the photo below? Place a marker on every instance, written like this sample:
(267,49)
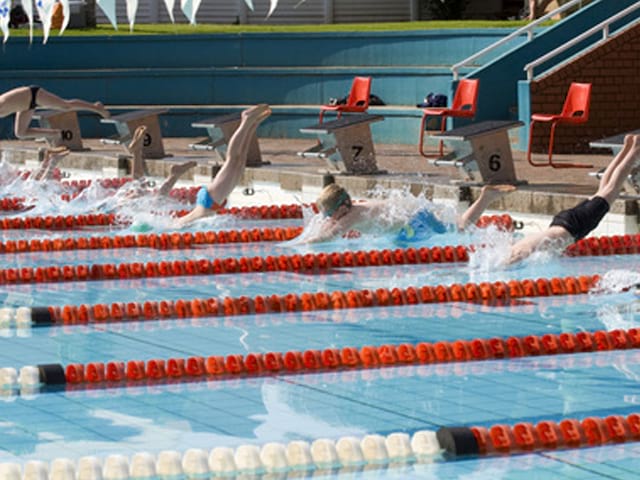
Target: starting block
(67,123)
(345,144)
(482,148)
(220,129)
(127,123)
(615,144)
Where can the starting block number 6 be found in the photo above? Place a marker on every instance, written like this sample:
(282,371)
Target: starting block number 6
(494,162)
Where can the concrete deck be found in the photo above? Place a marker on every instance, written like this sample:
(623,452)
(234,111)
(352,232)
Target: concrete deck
(548,190)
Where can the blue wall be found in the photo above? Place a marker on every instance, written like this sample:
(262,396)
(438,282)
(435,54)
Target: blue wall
(299,70)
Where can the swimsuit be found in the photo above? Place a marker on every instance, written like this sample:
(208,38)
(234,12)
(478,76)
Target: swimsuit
(420,227)
(583,218)
(34,93)
(203,198)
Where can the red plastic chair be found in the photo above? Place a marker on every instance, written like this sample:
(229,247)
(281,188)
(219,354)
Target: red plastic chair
(357,101)
(575,111)
(464,105)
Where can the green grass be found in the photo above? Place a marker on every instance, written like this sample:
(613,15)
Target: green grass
(186,29)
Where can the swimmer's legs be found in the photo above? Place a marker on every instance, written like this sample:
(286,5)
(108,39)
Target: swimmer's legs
(135,150)
(488,194)
(233,168)
(618,170)
(23,130)
(176,172)
(47,99)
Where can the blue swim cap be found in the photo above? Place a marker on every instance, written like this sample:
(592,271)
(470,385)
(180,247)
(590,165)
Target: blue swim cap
(421,226)
(141,227)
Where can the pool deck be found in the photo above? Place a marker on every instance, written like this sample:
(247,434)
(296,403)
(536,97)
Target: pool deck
(546,192)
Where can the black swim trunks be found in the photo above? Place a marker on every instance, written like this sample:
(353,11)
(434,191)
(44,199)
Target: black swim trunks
(34,94)
(583,218)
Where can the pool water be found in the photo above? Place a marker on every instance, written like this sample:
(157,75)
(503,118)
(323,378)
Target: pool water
(153,417)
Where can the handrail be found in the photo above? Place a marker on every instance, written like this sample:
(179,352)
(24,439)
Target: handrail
(527,28)
(602,26)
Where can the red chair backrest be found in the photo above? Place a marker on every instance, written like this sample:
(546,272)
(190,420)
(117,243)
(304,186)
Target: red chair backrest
(360,91)
(577,103)
(466,97)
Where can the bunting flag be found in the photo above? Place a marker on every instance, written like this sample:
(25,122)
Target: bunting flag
(66,13)
(272,7)
(109,9)
(249,4)
(5,14)
(170,4)
(27,5)
(190,8)
(45,11)
(132,9)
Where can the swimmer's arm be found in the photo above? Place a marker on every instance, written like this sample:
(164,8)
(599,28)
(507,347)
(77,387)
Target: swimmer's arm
(198,212)
(327,232)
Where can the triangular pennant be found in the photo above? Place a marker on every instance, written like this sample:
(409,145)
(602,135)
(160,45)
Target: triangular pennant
(27,5)
(272,7)
(132,9)
(66,13)
(170,4)
(109,9)
(45,11)
(249,4)
(190,9)
(5,14)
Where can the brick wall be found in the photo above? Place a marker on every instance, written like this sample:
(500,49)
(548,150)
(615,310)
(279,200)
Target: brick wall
(614,72)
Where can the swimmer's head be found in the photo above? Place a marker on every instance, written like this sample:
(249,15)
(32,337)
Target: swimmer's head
(332,198)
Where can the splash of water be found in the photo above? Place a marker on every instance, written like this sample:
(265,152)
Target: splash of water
(616,281)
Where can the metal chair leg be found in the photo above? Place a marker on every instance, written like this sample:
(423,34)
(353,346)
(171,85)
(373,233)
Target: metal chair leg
(531,162)
(561,165)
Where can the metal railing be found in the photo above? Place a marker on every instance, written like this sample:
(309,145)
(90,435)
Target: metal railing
(603,26)
(527,28)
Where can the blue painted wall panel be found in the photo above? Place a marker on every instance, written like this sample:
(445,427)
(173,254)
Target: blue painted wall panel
(290,69)
(245,50)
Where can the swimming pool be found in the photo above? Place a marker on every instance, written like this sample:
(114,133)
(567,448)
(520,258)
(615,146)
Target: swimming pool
(205,418)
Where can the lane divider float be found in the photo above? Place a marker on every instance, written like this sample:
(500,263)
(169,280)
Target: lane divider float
(546,435)
(309,263)
(484,292)
(181,194)
(348,358)
(298,456)
(175,240)
(63,222)
(161,241)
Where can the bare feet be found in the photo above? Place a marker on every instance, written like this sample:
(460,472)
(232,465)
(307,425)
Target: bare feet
(103,112)
(135,145)
(257,113)
(179,169)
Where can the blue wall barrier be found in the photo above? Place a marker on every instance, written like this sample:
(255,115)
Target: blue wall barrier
(196,73)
